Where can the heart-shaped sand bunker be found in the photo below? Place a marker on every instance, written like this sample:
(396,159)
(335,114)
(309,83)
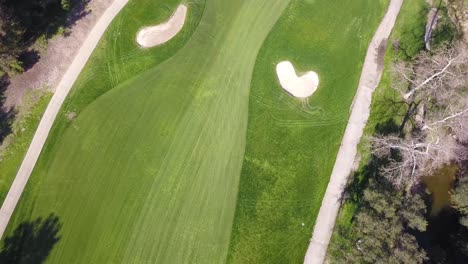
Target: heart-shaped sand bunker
(160,34)
(301,87)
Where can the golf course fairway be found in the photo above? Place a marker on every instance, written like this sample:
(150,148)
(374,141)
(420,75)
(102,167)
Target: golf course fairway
(191,152)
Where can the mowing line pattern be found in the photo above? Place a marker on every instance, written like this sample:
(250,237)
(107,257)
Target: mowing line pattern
(148,171)
(191,152)
(292,143)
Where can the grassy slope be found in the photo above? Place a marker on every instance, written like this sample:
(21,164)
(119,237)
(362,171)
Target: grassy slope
(148,171)
(292,144)
(381,109)
(17,143)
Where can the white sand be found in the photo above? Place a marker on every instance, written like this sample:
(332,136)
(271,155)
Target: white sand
(301,87)
(370,78)
(156,35)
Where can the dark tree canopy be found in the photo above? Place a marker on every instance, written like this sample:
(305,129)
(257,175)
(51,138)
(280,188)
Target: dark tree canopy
(36,17)
(460,200)
(22,22)
(384,225)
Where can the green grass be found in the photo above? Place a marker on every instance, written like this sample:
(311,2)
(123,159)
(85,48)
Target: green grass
(382,110)
(410,29)
(149,170)
(16,144)
(292,144)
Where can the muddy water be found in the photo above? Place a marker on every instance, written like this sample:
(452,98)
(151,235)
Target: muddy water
(439,185)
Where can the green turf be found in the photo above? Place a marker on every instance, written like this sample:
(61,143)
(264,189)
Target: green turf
(292,143)
(149,170)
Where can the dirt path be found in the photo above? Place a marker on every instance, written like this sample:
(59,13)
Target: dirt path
(59,54)
(370,78)
(48,118)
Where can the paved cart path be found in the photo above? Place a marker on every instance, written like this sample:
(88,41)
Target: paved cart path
(370,78)
(53,108)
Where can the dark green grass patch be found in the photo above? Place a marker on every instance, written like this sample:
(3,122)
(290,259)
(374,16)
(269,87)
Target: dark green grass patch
(292,143)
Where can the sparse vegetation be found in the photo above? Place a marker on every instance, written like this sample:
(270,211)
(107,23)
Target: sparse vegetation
(16,144)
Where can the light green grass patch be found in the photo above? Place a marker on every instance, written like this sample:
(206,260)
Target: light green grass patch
(148,171)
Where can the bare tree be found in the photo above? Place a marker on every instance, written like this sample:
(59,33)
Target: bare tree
(432,75)
(410,159)
(433,80)
(435,90)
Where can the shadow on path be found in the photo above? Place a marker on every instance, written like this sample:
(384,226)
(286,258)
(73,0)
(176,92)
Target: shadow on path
(31,242)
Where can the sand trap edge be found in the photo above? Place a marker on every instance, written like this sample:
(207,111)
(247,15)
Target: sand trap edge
(152,36)
(298,86)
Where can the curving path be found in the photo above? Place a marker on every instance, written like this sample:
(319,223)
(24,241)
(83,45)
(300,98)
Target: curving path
(370,78)
(48,118)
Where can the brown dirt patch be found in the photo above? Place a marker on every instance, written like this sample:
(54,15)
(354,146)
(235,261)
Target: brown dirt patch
(56,59)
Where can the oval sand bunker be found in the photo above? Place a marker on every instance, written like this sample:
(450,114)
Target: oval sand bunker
(301,87)
(157,35)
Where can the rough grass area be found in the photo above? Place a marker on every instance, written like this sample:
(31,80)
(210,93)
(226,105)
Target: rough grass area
(292,144)
(16,144)
(383,117)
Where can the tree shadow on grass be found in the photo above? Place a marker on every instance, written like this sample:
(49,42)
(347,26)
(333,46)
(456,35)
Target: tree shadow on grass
(31,242)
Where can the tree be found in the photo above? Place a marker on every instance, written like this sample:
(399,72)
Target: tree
(10,43)
(65,4)
(382,227)
(434,90)
(437,74)
(409,159)
(433,80)
(37,17)
(451,119)
(22,22)
(460,200)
